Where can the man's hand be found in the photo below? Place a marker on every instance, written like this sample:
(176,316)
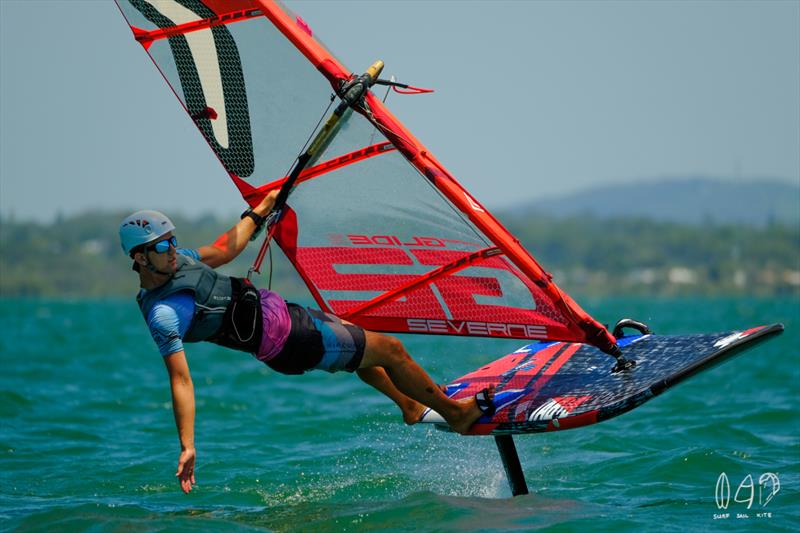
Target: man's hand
(185,473)
(266,205)
(231,243)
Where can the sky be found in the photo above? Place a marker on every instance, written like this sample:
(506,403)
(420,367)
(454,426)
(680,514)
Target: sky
(533,99)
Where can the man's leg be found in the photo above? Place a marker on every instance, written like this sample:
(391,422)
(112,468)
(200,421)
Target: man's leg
(412,381)
(377,377)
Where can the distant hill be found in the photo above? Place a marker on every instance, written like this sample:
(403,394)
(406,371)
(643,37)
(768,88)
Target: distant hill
(683,200)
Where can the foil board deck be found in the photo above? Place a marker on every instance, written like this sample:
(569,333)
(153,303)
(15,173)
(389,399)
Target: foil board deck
(550,386)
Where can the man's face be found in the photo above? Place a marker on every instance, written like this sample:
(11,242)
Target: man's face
(165,261)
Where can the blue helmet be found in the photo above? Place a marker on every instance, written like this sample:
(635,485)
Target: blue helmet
(143,227)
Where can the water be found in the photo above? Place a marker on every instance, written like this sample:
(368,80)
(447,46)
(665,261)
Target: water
(87,440)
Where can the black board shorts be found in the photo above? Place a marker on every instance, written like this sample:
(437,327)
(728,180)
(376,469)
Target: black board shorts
(319,341)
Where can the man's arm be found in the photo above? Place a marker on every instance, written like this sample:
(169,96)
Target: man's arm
(231,243)
(183,408)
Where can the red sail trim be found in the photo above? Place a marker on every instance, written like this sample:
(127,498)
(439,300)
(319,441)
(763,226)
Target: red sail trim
(425,279)
(146,38)
(254,195)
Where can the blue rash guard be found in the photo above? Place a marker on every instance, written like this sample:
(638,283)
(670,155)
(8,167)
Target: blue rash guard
(170,318)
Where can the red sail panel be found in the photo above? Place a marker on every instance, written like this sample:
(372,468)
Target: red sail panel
(389,245)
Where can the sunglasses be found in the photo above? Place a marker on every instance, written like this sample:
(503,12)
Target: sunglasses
(163,246)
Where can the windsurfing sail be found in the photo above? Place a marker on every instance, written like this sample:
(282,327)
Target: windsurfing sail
(381,233)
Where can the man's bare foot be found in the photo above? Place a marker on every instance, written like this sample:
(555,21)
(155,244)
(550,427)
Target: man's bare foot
(412,410)
(470,414)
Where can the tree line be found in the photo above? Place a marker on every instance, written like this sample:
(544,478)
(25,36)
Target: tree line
(77,256)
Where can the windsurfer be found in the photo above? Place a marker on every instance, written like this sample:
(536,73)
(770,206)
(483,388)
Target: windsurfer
(183,299)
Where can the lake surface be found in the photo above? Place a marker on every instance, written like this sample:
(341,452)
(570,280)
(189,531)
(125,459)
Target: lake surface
(87,438)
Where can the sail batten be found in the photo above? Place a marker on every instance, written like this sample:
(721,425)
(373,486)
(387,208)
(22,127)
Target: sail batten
(147,37)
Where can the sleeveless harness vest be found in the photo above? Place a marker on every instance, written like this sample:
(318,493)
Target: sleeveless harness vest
(227,310)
